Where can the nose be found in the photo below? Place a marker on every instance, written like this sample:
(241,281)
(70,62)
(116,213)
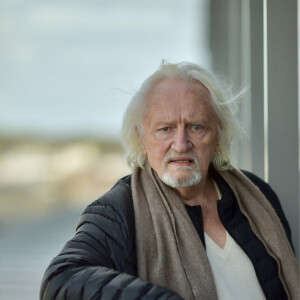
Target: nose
(181,143)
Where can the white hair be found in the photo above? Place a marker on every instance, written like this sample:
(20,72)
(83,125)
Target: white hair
(223,103)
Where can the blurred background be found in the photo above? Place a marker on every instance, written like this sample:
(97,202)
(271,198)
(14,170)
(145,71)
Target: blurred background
(69,68)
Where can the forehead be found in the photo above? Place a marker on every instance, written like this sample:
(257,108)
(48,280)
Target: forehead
(174,85)
(178,95)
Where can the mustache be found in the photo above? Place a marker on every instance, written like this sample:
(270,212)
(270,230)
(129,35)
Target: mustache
(173,154)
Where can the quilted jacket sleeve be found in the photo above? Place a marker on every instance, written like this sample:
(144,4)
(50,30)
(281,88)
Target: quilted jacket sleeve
(99,262)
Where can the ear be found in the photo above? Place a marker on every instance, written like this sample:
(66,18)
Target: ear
(141,139)
(219,130)
(217,147)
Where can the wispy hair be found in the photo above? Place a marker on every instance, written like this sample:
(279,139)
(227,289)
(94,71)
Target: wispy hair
(222,99)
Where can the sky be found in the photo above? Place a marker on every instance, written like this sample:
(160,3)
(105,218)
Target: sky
(69,68)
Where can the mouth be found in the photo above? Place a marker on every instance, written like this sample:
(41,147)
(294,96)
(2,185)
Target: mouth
(181,161)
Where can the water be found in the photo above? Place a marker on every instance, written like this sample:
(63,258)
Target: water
(26,249)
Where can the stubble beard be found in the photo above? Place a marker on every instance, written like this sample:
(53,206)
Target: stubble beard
(194,176)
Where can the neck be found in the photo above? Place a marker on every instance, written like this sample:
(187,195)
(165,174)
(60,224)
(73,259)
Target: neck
(197,194)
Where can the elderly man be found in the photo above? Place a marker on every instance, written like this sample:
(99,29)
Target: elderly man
(186,224)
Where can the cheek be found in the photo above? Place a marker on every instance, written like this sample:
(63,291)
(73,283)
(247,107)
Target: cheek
(211,141)
(155,152)
(206,149)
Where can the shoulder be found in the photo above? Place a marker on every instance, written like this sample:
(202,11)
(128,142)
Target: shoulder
(271,196)
(117,195)
(116,204)
(264,187)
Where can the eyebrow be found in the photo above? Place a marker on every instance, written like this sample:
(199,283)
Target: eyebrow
(170,123)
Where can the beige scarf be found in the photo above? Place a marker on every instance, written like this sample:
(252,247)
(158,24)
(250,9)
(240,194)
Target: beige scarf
(169,251)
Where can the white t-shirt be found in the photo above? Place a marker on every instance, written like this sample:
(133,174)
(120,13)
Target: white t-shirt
(233,272)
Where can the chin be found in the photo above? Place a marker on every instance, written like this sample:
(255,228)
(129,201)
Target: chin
(182,181)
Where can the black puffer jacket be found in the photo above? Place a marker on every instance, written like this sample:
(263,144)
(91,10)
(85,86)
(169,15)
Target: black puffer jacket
(100,261)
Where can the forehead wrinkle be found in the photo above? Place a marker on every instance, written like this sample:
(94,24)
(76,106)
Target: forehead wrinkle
(199,92)
(204,97)
(204,106)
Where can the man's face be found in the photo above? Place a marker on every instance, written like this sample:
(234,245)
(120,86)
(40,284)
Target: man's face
(180,132)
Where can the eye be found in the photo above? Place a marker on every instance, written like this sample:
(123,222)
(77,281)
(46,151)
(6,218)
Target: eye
(165,129)
(196,127)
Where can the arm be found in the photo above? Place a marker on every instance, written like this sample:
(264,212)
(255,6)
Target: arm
(99,262)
